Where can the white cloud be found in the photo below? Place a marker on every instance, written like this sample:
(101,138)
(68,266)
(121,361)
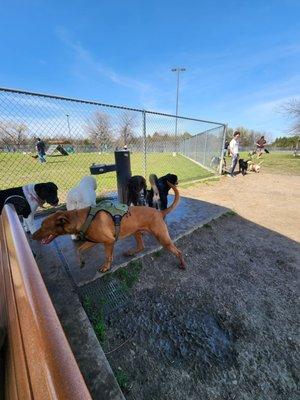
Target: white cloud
(98,66)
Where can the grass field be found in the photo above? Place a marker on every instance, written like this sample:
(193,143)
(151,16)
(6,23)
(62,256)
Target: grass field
(19,169)
(276,163)
(281,163)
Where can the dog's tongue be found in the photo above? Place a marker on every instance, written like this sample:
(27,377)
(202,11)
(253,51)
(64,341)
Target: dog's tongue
(48,239)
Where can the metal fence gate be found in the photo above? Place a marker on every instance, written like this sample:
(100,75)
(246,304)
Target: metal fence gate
(78,133)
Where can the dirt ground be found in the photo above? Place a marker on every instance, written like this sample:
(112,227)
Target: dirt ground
(226,327)
(270,200)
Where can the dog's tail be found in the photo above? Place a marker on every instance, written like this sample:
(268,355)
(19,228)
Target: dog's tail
(175,202)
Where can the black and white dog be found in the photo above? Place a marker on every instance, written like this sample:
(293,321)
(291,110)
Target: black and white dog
(136,191)
(157,196)
(27,199)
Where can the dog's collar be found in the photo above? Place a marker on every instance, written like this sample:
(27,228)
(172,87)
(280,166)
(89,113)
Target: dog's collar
(30,194)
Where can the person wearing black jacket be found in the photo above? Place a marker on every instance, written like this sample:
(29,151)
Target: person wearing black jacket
(40,147)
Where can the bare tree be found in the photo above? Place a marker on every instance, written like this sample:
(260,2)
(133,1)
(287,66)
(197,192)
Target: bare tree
(99,130)
(128,123)
(13,134)
(248,136)
(292,110)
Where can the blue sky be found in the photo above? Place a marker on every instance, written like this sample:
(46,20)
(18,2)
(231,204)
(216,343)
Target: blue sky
(242,58)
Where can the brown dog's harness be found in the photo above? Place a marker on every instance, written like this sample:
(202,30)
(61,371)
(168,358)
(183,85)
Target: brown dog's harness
(116,211)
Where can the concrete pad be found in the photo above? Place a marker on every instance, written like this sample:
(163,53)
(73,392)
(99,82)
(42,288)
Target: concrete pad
(62,252)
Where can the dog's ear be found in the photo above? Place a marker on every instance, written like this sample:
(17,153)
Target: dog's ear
(172,178)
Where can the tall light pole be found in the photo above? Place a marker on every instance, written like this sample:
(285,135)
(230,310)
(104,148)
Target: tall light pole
(178,70)
(68,122)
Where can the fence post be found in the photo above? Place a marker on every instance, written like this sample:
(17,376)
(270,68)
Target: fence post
(222,150)
(145,143)
(123,170)
(204,158)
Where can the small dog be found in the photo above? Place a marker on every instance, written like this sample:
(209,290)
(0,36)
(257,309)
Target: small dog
(158,194)
(255,167)
(102,229)
(83,195)
(215,163)
(243,166)
(31,196)
(136,191)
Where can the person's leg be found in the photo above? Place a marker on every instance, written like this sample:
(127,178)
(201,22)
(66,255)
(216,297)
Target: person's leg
(40,157)
(233,163)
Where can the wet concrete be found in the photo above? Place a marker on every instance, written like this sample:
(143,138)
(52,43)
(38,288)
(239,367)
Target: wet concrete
(62,252)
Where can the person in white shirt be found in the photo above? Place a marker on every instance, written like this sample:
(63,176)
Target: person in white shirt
(234,151)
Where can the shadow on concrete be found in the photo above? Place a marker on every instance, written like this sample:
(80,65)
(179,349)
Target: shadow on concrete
(62,252)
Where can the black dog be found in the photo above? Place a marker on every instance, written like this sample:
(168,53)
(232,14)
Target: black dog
(136,191)
(158,194)
(243,166)
(27,198)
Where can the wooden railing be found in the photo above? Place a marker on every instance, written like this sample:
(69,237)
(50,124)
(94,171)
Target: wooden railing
(39,363)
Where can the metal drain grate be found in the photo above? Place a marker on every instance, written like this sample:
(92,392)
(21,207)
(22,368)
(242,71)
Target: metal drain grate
(108,293)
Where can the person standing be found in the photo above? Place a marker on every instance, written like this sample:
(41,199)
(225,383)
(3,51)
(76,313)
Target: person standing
(234,151)
(226,148)
(40,147)
(260,145)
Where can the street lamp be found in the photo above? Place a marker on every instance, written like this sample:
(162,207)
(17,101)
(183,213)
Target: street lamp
(178,70)
(68,122)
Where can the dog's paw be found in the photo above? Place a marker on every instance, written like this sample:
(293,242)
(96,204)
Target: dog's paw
(104,268)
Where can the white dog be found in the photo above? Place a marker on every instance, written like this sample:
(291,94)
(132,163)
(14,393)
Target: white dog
(83,195)
(255,167)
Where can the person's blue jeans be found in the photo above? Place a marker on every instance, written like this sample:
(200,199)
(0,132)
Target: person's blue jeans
(41,157)
(234,161)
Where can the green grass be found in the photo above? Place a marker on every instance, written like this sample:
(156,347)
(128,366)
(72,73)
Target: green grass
(275,163)
(158,253)
(207,226)
(207,181)
(127,276)
(96,316)
(87,304)
(19,169)
(99,327)
(123,380)
(130,274)
(230,213)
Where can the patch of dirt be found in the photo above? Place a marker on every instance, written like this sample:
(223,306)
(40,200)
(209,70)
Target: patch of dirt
(269,200)
(225,328)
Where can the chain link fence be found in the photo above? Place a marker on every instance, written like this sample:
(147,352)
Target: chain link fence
(78,133)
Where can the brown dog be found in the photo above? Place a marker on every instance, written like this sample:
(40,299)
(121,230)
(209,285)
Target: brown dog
(102,230)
